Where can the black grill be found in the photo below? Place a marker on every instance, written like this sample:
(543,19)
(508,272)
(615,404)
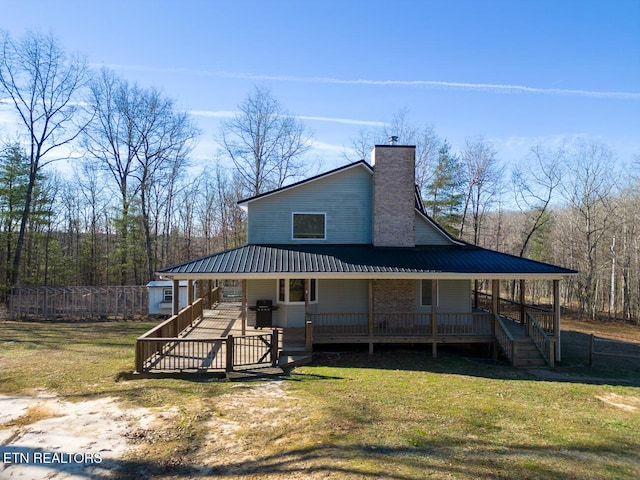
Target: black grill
(264,313)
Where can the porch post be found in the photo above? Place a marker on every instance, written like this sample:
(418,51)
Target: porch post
(556,316)
(434,317)
(176,297)
(307,287)
(190,298)
(243,308)
(371,318)
(495,309)
(495,296)
(523,318)
(475,293)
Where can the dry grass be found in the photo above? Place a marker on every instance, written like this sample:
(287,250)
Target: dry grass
(399,414)
(614,330)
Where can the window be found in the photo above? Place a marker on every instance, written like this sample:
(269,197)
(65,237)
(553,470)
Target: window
(292,290)
(426,298)
(167,295)
(309,226)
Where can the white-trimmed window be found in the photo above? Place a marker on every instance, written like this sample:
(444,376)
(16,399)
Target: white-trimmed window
(167,295)
(426,292)
(309,226)
(291,290)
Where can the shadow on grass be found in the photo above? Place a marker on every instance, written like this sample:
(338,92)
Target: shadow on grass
(473,361)
(439,458)
(51,335)
(615,363)
(436,456)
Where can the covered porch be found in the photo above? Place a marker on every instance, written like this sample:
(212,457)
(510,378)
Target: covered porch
(426,294)
(527,335)
(213,336)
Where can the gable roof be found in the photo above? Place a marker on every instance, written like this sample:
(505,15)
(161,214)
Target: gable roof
(359,163)
(364,261)
(419,205)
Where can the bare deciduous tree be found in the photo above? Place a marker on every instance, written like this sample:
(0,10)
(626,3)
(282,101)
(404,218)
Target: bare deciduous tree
(535,182)
(113,141)
(588,193)
(42,84)
(426,141)
(167,137)
(361,145)
(424,138)
(265,143)
(140,138)
(483,179)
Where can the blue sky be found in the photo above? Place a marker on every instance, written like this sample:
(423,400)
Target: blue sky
(515,72)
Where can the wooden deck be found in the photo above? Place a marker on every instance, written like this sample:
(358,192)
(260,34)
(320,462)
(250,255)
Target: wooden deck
(225,320)
(203,347)
(215,341)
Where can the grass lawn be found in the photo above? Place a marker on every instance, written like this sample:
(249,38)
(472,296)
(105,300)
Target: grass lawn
(398,414)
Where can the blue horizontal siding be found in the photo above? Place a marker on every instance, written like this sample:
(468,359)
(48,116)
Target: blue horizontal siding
(345,198)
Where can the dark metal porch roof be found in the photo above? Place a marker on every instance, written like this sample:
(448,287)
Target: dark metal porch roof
(453,261)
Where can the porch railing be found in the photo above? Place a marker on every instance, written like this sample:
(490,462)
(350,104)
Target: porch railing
(196,354)
(177,354)
(474,324)
(543,318)
(505,339)
(513,310)
(159,339)
(402,324)
(544,343)
(398,324)
(339,323)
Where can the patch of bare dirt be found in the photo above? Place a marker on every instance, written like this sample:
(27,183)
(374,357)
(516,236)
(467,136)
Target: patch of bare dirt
(45,437)
(247,423)
(626,403)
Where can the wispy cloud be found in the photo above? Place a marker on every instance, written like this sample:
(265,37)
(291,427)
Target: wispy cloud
(441,84)
(213,113)
(328,147)
(231,114)
(348,121)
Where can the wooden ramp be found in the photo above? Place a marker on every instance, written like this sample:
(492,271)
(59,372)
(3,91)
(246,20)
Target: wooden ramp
(204,348)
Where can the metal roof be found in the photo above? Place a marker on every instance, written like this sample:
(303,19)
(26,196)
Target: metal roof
(164,283)
(450,261)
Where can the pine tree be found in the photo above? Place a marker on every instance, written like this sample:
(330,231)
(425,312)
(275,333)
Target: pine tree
(14,182)
(444,195)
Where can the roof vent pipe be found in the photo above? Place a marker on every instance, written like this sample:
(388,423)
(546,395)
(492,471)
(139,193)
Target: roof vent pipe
(393,140)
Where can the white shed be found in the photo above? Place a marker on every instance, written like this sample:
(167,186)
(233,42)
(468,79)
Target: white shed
(161,296)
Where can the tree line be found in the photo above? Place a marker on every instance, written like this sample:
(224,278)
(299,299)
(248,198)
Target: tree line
(133,203)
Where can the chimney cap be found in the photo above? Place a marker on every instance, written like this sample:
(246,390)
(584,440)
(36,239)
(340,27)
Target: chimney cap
(393,140)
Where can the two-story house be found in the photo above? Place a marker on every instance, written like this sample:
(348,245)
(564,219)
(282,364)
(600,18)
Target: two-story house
(352,254)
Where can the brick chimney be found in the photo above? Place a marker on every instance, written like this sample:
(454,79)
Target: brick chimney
(393,195)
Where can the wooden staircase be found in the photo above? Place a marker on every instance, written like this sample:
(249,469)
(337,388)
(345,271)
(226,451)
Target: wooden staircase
(527,354)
